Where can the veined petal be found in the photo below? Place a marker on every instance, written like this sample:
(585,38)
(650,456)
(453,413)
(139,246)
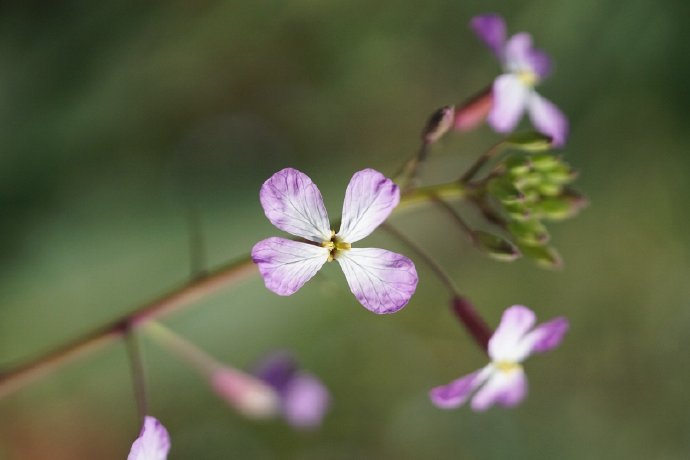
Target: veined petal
(546,336)
(382,281)
(286,265)
(369,200)
(548,119)
(305,401)
(458,391)
(505,344)
(510,96)
(293,203)
(504,388)
(153,442)
(491,29)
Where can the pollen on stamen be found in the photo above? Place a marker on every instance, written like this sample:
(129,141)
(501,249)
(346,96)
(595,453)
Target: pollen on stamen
(507,366)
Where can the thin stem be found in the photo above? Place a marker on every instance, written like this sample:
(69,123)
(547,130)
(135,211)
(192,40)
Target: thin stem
(138,374)
(481,161)
(440,273)
(227,276)
(472,321)
(182,348)
(456,217)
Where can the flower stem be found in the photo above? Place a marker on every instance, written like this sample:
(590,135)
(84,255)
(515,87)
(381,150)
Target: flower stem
(481,161)
(440,273)
(472,321)
(207,284)
(138,374)
(182,348)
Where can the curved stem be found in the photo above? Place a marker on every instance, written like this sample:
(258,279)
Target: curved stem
(207,284)
(431,263)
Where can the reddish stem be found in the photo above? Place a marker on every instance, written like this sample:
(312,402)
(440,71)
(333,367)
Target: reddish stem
(472,321)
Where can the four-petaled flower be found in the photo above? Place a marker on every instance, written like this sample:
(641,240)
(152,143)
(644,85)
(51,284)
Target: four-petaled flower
(153,442)
(304,400)
(382,281)
(503,381)
(513,92)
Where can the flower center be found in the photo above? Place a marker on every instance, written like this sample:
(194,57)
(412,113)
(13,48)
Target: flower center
(527,77)
(507,366)
(335,246)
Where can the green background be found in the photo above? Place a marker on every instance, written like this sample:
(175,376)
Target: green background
(115,117)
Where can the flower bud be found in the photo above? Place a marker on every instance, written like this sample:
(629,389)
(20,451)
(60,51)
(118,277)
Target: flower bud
(546,256)
(249,395)
(496,246)
(474,111)
(438,124)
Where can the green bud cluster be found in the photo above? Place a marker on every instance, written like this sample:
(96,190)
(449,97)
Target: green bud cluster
(531,189)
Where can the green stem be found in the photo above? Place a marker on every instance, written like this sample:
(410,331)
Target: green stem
(138,375)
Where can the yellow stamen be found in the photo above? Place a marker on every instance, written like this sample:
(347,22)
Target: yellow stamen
(335,246)
(507,366)
(527,77)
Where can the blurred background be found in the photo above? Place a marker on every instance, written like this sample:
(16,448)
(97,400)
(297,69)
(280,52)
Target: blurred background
(116,117)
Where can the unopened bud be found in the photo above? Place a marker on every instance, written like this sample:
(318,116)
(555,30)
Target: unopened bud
(496,246)
(545,256)
(531,232)
(249,395)
(438,124)
(529,142)
(473,112)
(504,191)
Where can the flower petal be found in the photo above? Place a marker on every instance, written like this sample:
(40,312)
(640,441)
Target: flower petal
(382,281)
(153,442)
(504,388)
(505,344)
(369,200)
(286,265)
(305,401)
(277,370)
(293,203)
(490,28)
(458,391)
(548,119)
(546,336)
(510,97)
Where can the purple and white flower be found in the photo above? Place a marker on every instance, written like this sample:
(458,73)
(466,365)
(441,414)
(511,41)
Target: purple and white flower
(382,281)
(304,399)
(513,91)
(503,380)
(153,442)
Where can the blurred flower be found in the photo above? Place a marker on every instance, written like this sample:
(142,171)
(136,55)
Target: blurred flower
(249,395)
(382,281)
(513,92)
(304,399)
(503,381)
(153,442)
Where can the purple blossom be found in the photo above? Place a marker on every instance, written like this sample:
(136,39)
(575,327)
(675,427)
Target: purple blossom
(304,399)
(153,442)
(382,281)
(513,92)
(503,380)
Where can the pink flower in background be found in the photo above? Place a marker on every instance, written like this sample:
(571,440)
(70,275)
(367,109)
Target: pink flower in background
(383,281)
(304,399)
(153,442)
(513,92)
(503,381)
